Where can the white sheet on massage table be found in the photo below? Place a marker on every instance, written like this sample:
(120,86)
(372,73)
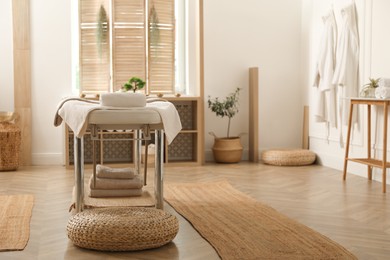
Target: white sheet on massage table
(78,114)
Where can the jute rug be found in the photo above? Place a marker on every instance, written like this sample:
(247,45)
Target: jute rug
(15,215)
(239,227)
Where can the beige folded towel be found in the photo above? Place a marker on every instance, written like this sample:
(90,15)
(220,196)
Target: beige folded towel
(122,99)
(98,193)
(112,184)
(106,172)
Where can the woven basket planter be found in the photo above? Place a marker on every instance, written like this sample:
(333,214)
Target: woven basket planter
(227,150)
(122,228)
(10,139)
(288,157)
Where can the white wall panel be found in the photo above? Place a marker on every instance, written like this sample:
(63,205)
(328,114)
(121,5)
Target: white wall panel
(374,62)
(51,75)
(253,33)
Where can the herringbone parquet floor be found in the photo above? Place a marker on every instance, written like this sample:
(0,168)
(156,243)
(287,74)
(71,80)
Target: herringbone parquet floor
(354,213)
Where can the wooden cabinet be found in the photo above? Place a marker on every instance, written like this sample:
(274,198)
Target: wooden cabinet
(186,148)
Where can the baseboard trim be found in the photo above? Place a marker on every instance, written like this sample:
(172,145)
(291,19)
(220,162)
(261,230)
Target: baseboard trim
(48,159)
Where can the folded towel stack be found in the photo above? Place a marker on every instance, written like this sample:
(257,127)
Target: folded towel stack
(115,182)
(120,99)
(383,91)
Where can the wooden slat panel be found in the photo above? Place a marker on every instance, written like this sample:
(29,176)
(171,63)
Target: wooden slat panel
(162,52)
(129,55)
(22,74)
(94,65)
(254,114)
(21,24)
(305,134)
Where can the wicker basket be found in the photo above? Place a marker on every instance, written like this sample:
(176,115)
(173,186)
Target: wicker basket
(288,157)
(122,228)
(10,139)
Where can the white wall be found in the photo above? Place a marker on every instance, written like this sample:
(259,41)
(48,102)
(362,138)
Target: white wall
(255,33)
(51,76)
(6,57)
(374,62)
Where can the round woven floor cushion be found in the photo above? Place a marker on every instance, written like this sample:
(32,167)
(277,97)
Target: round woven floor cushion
(288,157)
(122,229)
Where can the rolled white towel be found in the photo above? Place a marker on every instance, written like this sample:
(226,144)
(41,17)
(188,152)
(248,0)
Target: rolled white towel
(120,99)
(106,172)
(382,92)
(384,82)
(97,193)
(116,184)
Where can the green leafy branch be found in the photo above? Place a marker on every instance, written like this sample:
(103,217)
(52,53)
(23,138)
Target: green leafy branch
(227,107)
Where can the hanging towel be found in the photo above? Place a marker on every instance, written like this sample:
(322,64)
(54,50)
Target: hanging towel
(106,172)
(75,113)
(346,74)
(112,184)
(170,118)
(326,107)
(382,92)
(123,99)
(384,82)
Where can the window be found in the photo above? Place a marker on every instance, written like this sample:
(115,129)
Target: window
(120,39)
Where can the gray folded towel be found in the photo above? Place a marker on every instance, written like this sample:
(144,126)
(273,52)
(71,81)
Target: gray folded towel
(113,184)
(98,193)
(106,172)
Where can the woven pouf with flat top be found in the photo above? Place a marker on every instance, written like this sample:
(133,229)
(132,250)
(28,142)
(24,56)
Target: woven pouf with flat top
(288,157)
(122,228)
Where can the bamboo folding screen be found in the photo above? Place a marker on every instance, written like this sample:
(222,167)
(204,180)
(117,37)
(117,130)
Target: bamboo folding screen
(140,42)
(162,46)
(94,66)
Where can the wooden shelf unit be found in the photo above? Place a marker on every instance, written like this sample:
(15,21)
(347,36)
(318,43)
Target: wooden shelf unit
(185,150)
(370,162)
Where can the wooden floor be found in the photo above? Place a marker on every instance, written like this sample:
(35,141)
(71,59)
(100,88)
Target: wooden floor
(354,213)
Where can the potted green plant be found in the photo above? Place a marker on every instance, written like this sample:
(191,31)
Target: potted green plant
(369,88)
(226,149)
(134,84)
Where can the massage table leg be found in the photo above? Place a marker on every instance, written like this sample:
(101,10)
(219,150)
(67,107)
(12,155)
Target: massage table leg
(79,173)
(137,151)
(159,169)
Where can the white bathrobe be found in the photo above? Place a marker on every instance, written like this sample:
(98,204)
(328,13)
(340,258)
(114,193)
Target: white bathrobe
(346,74)
(326,107)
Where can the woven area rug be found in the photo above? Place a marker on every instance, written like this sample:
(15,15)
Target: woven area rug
(15,216)
(239,227)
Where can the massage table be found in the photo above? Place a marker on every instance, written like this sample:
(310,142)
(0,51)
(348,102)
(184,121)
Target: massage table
(142,120)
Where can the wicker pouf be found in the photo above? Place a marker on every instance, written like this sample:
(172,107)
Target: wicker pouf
(288,157)
(122,229)
(10,139)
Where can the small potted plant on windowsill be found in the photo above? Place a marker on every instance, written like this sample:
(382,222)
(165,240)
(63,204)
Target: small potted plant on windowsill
(226,149)
(134,84)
